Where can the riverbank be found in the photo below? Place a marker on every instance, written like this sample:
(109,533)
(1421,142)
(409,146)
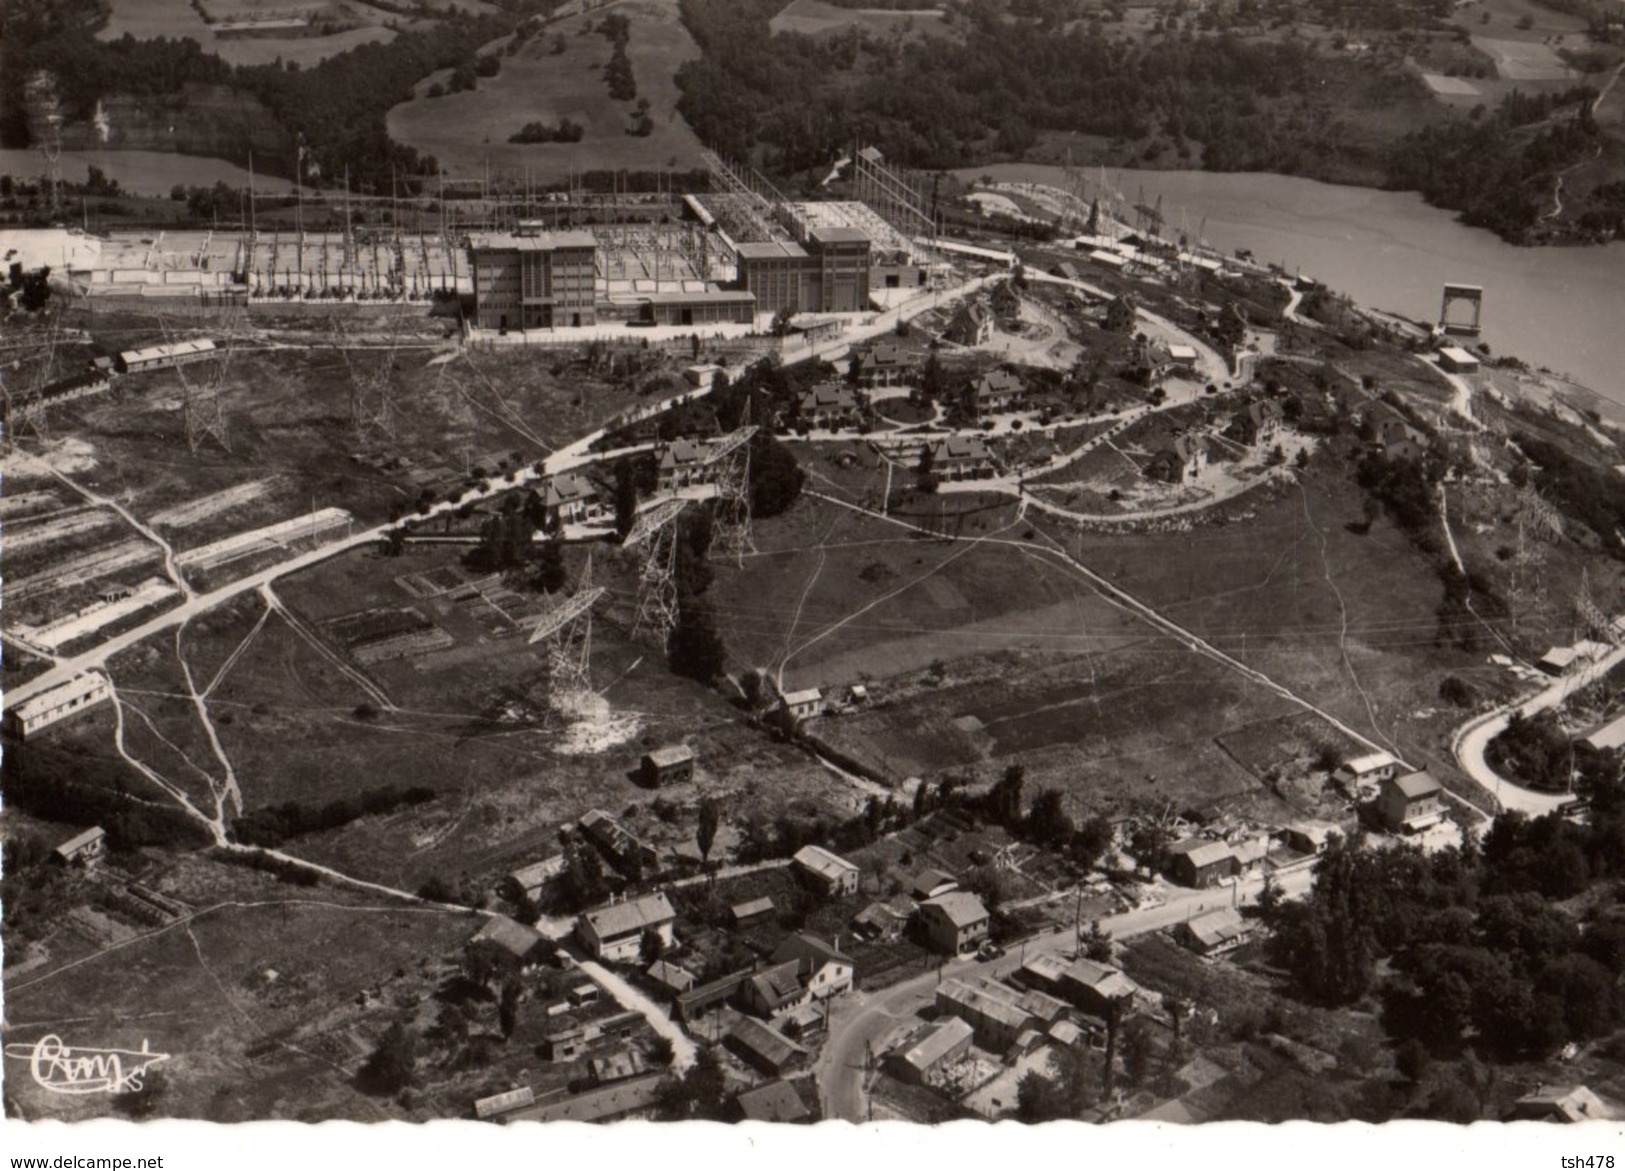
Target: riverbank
(1557,308)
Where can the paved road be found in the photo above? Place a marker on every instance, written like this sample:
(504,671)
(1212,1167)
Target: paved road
(861,1020)
(1474,737)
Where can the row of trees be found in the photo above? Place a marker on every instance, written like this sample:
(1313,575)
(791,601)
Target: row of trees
(564,130)
(275,824)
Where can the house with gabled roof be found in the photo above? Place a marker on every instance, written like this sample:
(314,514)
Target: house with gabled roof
(828,405)
(1199,862)
(569,498)
(972,325)
(764,1049)
(960,457)
(615,933)
(998,390)
(1411,803)
(955,923)
(886,364)
(831,874)
(1181,461)
(775,1101)
(823,968)
(1258,424)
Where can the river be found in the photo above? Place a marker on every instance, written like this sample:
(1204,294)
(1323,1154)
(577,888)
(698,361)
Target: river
(1562,308)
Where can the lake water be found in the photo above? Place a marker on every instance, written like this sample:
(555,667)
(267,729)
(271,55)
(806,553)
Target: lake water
(1563,308)
(142,172)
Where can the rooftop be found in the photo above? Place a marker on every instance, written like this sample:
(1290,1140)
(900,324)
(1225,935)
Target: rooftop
(670,755)
(508,934)
(774,1102)
(961,908)
(771,250)
(1369,763)
(537,242)
(1417,784)
(619,919)
(821,861)
(937,1042)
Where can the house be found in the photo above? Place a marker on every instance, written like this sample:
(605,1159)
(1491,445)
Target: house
(879,923)
(1199,862)
(1042,972)
(930,884)
(1608,735)
(1257,425)
(823,969)
(954,923)
(775,1101)
(753,911)
(671,765)
(997,390)
(1181,462)
(599,1105)
(764,1050)
(1411,803)
(971,326)
(1400,440)
(56,703)
(671,979)
(569,498)
(1182,358)
(828,405)
(1071,1035)
(885,365)
(801,705)
(623,849)
(615,933)
(1360,776)
(1066,270)
(571,1041)
(528,882)
(938,1046)
(1561,1104)
(773,991)
(1309,837)
(994,1012)
(618,1066)
(521,946)
(83,849)
(1562,660)
(831,874)
(1214,933)
(1250,852)
(1457,360)
(684,463)
(505,1103)
(1096,988)
(960,457)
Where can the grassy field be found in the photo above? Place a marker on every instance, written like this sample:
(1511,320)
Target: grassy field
(258,1000)
(814,18)
(539,85)
(144,19)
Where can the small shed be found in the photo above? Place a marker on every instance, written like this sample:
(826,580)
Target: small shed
(752,911)
(83,849)
(671,765)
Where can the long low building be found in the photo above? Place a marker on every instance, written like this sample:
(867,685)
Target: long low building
(57,703)
(161,357)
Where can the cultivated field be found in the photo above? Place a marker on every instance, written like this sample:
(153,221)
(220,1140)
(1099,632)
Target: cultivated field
(539,85)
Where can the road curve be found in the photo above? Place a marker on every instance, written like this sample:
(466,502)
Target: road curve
(1473,738)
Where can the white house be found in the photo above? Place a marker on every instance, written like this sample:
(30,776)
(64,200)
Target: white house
(615,933)
(1361,775)
(57,703)
(832,874)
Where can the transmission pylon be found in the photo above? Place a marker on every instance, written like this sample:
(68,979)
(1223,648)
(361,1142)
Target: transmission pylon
(372,388)
(655,531)
(203,411)
(567,631)
(730,457)
(52,153)
(1593,621)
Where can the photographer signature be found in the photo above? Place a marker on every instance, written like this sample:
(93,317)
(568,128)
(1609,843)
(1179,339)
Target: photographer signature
(62,1069)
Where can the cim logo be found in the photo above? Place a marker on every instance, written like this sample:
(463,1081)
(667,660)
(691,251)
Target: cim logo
(62,1069)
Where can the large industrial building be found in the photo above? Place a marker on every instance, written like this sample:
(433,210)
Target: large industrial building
(534,281)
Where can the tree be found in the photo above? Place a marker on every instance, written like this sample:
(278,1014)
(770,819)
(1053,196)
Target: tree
(550,572)
(706,833)
(1097,944)
(393,1064)
(696,650)
(1003,802)
(700,1093)
(36,290)
(508,1008)
(1047,822)
(626,497)
(1091,840)
(776,478)
(1139,1051)
(651,946)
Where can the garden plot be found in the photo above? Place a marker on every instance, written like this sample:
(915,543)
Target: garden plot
(55,635)
(194,512)
(16,506)
(263,540)
(76,571)
(49,530)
